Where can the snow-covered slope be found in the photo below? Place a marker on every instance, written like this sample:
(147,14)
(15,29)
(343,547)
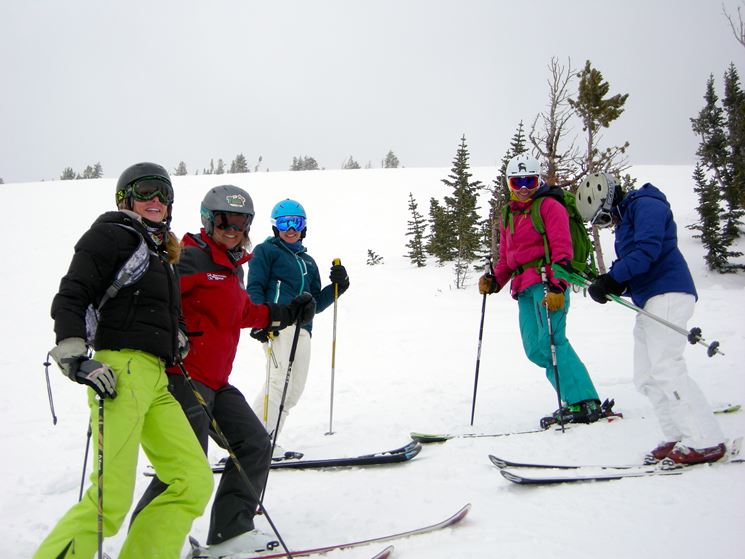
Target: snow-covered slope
(405,360)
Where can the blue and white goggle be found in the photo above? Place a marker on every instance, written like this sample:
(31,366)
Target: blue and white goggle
(285,223)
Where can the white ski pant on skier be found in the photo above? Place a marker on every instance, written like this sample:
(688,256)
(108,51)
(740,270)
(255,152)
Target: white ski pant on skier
(661,374)
(281,346)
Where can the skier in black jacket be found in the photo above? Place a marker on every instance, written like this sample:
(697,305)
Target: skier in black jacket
(136,338)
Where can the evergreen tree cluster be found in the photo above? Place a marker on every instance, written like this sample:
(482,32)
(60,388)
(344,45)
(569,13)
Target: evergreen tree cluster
(90,172)
(719,176)
(304,163)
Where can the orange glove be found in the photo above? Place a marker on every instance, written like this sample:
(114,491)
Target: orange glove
(488,284)
(554,301)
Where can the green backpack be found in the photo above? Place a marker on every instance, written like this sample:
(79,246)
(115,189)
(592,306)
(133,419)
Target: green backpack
(583,259)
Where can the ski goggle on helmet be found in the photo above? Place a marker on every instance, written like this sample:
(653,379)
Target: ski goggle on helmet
(287,222)
(148,188)
(235,221)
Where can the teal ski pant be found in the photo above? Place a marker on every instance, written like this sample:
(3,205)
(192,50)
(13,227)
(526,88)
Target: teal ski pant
(144,413)
(574,380)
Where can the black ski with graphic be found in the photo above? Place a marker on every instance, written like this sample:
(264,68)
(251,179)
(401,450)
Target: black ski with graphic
(545,474)
(450,521)
(402,454)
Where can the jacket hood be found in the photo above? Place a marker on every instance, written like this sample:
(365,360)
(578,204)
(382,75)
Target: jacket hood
(647,190)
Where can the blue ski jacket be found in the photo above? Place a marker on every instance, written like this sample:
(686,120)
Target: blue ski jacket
(277,273)
(649,261)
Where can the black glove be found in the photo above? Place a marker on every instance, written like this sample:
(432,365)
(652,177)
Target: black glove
(603,286)
(99,376)
(339,276)
(301,309)
(261,334)
(71,355)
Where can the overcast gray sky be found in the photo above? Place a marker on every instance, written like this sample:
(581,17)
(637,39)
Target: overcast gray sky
(83,81)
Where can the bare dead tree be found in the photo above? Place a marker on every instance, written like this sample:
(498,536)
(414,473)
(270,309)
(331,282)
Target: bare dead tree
(738,28)
(561,168)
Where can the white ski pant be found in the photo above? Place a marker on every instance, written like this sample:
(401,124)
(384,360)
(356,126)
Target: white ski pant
(661,374)
(280,347)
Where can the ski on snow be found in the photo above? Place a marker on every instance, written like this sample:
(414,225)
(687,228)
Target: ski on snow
(402,454)
(450,521)
(428,438)
(544,474)
(397,455)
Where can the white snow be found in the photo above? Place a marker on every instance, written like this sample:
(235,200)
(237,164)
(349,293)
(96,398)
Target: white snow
(405,361)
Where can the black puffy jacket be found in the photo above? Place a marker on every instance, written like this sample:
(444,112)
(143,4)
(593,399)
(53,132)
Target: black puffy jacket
(144,316)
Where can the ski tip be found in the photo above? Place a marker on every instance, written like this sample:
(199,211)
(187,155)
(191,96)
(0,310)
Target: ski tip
(498,462)
(427,438)
(729,408)
(385,553)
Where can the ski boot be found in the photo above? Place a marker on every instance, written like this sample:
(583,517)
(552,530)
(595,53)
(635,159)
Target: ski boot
(586,411)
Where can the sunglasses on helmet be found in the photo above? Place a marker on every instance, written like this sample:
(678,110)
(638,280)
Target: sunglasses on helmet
(234,221)
(149,188)
(530,181)
(288,222)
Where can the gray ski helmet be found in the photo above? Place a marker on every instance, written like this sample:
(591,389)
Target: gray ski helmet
(225,198)
(140,172)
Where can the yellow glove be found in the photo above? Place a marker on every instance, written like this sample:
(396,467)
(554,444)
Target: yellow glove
(554,301)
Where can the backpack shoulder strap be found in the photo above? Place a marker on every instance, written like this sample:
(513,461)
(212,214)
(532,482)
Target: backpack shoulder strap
(132,270)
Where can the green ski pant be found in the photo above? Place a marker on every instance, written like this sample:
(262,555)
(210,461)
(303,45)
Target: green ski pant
(143,413)
(574,380)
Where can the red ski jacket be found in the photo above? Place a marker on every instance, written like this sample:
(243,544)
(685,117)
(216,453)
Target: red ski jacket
(215,306)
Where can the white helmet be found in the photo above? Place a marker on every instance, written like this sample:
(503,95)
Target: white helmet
(523,165)
(595,196)
(523,176)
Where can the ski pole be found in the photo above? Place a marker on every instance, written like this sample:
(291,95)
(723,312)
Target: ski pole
(226,445)
(100,477)
(85,461)
(335,262)
(693,335)
(478,351)
(46,364)
(291,359)
(552,342)
(270,351)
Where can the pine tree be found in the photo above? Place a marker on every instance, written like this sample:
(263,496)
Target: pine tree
(390,161)
(239,164)
(220,170)
(597,112)
(87,172)
(440,239)
(734,190)
(98,171)
(415,230)
(709,212)
(350,164)
(180,171)
(68,174)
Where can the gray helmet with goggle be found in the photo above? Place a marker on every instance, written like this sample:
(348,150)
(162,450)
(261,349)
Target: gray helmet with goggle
(144,181)
(596,196)
(227,207)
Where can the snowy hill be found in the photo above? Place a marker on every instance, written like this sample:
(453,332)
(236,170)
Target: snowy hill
(405,360)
